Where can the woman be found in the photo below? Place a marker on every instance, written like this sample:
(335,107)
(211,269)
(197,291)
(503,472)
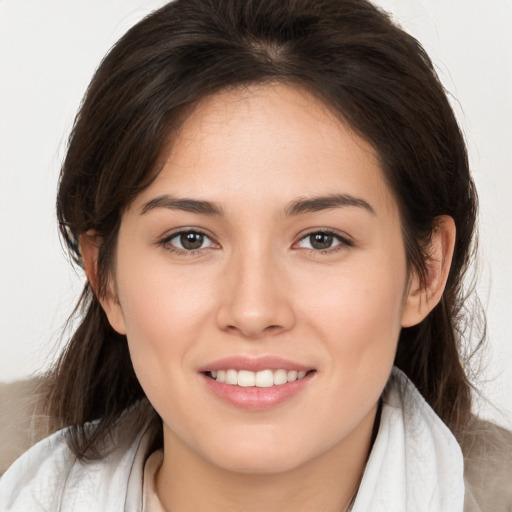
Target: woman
(274,211)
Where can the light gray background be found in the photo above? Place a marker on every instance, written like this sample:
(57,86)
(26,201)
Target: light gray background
(48,52)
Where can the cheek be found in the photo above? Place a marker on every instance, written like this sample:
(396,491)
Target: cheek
(155,312)
(159,301)
(363,300)
(162,327)
(357,314)
(356,319)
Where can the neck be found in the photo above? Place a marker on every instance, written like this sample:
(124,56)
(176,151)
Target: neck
(188,482)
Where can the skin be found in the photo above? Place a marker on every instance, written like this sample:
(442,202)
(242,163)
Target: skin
(257,287)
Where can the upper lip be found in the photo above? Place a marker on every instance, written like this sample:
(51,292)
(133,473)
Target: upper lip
(254,364)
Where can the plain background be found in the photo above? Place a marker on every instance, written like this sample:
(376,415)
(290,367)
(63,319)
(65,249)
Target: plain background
(48,52)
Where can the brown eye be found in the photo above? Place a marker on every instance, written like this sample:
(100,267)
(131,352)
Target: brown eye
(321,240)
(187,241)
(191,240)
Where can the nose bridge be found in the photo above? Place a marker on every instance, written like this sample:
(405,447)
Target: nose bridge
(255,302)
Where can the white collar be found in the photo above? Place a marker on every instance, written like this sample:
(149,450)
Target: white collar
(416,463)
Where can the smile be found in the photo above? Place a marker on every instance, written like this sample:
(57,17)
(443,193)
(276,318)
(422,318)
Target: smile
(261,379)
(257,383)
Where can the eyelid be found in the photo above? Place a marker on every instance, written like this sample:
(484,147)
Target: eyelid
(343,238)
(165,240)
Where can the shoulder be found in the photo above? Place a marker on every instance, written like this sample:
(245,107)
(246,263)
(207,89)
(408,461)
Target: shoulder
(50,477)
(22,420)
(487,450)
(38,476)
(415,462)
(484,449)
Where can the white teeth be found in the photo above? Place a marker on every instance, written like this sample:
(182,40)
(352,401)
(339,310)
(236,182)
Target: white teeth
(261,379)
(264,379)
(280,377)
(291,376)
(231,377)
(246,379)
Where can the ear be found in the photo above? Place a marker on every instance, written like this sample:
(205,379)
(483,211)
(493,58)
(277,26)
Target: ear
(422,297)
(90,244)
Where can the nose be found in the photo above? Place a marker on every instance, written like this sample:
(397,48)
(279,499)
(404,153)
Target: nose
(255,301)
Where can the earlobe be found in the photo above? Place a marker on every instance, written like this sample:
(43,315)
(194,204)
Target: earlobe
(90,244)
(423,295)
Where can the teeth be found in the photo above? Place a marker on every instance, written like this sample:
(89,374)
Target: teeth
(280,377)
(231,377)
(246,379)
(291,376)
(265,379)
(262,379)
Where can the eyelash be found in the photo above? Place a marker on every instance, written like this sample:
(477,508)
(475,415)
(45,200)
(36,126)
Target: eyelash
(165,242)
(344,242)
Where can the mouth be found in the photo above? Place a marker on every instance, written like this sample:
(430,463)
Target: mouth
(261,379)
(257,384)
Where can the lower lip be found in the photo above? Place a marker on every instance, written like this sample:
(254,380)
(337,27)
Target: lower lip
(254,398)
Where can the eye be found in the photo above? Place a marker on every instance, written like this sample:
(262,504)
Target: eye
(322,241)
(187,241)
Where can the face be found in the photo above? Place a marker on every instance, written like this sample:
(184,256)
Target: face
(261,281)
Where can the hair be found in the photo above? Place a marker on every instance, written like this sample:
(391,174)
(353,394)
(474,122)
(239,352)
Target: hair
(370,72)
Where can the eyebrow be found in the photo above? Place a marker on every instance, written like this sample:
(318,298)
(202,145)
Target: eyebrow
(297,207)
(316,204)
(183,204)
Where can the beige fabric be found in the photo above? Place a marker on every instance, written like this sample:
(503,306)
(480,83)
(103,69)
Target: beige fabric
(487,450)
(21,419)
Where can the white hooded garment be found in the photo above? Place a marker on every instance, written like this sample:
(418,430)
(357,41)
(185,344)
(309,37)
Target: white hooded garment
(415,465)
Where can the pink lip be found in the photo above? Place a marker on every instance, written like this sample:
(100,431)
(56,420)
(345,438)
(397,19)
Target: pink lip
(254,398)
(253,364)
(257,399)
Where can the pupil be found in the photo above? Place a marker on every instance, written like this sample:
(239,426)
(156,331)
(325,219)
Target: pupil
(191,240)
(321,241)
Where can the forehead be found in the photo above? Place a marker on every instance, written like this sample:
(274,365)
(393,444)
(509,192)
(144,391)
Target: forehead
(273,140)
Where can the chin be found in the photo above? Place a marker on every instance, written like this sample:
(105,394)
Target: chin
(261,459)
(261,466)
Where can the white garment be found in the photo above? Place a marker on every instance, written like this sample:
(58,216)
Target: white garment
(151,501)
(415,465)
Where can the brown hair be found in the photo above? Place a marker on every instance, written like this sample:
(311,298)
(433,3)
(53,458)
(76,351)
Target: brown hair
(374,75)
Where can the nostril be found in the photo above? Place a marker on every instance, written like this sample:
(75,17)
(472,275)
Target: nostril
(254,320)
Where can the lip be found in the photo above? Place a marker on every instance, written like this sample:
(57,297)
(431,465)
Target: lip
(253,364)
(254,398)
